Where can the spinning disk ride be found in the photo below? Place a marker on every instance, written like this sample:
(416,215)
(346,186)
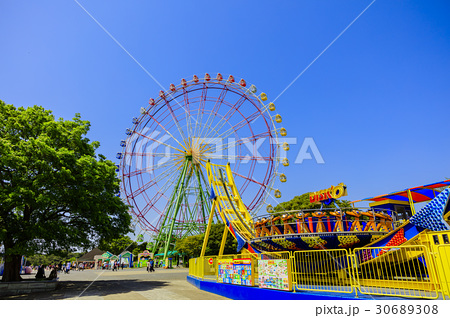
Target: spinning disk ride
(163,158)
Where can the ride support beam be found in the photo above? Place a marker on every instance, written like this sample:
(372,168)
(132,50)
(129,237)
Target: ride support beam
(224,239)
(161,232)
(411,203)
(177,206)
(208,229)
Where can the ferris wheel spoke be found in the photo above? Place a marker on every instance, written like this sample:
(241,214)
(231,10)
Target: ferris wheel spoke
(151,183)
(170,170)
(249,179)
(175,119)
(215,109)
(201,110)
(229,114)
(188,117)
(212,139)
(242,141)
(154,154)
(151,202)
(236,158)
(151,207)
(136,173)
(159,141)
(161,176)
(170,181)
(243,123)
(166,166)
(159,124)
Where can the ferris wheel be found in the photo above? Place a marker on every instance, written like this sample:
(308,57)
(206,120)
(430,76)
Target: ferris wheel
(163,158)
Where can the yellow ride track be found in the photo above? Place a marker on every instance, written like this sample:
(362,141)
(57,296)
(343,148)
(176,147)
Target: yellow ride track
(228,202)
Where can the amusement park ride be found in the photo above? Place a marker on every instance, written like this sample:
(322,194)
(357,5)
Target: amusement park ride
(204,147)
(164,158)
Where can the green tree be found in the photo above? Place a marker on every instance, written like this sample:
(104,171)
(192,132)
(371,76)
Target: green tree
(191,246)
(118,245)
(139,248)
(55,192)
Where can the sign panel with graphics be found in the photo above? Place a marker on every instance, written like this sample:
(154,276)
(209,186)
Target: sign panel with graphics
(243,271)
(224,271)
(274,274)
(238,271)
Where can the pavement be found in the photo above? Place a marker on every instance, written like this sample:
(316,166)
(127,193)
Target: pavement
(126,284)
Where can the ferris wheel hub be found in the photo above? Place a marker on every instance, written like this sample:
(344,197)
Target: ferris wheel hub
(195,151)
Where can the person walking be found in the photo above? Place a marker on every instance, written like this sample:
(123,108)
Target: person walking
(121,265)
(152,264)
(148,267)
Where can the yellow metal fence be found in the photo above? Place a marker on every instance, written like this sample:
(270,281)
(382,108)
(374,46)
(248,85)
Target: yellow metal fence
(403,271)
(323,270)
(443,268)
(406,271)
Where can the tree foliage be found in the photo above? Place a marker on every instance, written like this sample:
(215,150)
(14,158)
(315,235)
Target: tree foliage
(192,245)
(55,192)
(139,248)
(118,245)
(53,259)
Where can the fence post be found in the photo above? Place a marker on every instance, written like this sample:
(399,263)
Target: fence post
(292,261)
(439,272)
(353,272)
(443,269)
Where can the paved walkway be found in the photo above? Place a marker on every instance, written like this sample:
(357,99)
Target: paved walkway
(130,284)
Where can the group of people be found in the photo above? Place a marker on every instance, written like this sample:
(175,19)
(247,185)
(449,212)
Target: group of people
(41,273)
(65,268)
(80,267)
(114,266)
(54,269)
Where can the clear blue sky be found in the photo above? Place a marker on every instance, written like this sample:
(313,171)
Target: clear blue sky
(376,102)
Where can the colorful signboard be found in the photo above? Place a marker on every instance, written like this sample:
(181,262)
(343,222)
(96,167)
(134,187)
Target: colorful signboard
(334,192)
(145,253)
(243,271)
(224,271)
(238,271)
(274,274)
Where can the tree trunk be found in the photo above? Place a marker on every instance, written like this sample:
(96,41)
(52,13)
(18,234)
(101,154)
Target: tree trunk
(11,271)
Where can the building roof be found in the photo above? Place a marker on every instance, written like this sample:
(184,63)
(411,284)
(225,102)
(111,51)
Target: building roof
(89,257)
